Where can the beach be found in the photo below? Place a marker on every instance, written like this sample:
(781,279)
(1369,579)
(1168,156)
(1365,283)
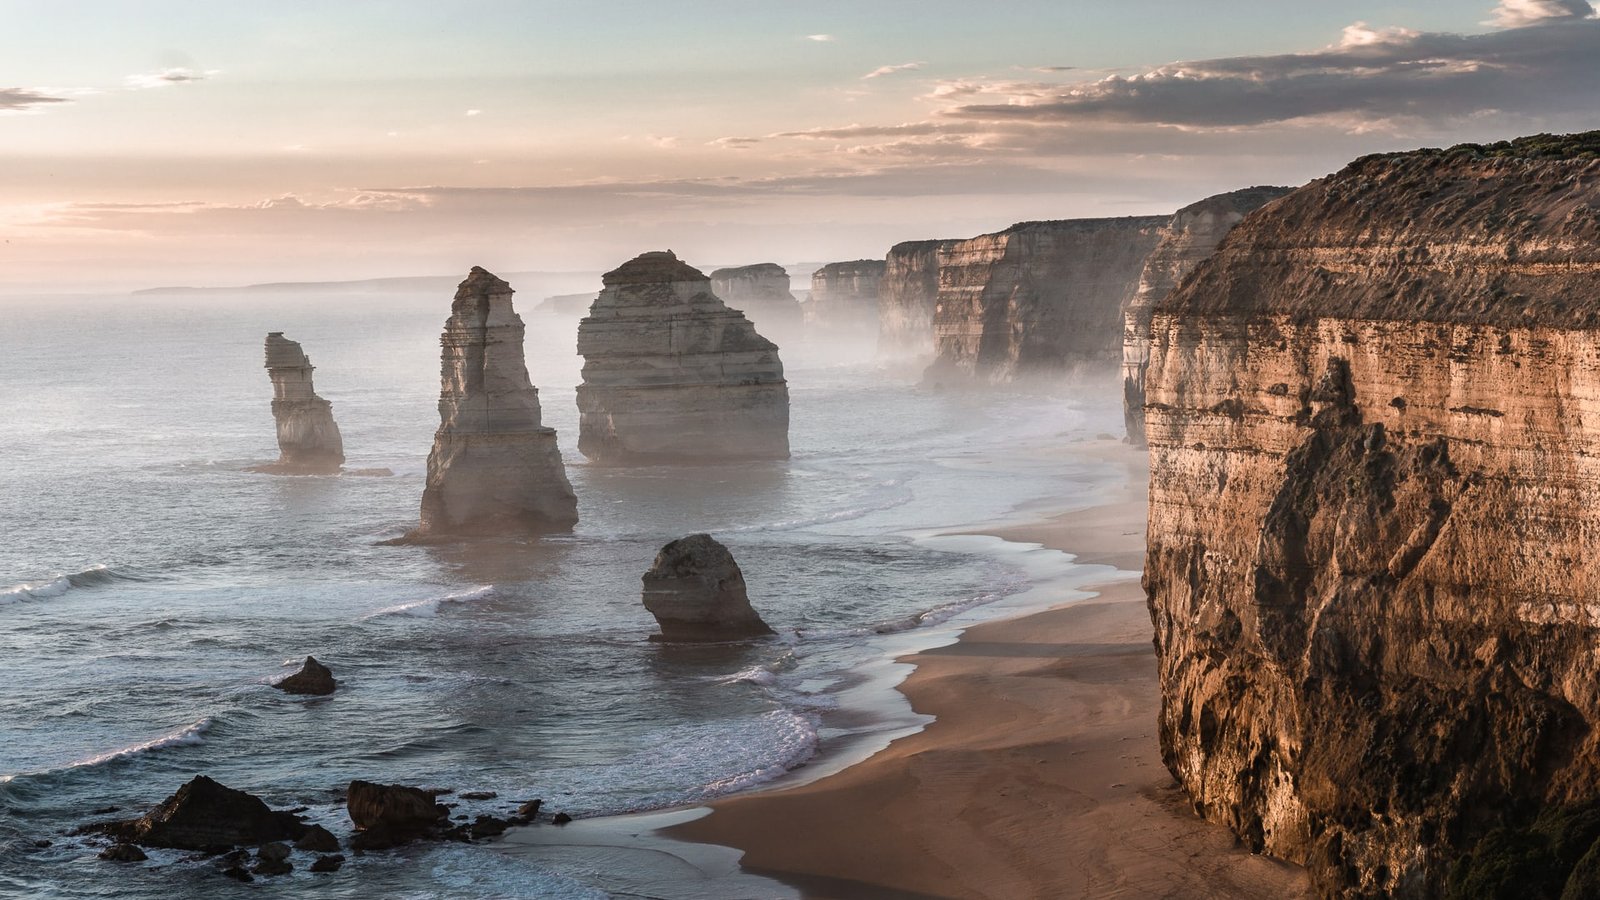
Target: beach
(1041,775)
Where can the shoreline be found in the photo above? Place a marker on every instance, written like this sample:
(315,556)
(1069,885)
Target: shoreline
(1039,775)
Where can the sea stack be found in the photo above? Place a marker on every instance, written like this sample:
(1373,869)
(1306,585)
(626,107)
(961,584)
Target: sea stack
(672,375)
(697,593)
(1039,298)
(844,298)
(762,293)
(495,469)
(907,296)
(308,440)
(1371,569)
(1188,239)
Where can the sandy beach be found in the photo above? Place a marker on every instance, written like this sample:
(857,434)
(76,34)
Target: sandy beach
(1041,776)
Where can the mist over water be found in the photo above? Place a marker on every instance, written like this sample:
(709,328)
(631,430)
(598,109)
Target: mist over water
(150,588)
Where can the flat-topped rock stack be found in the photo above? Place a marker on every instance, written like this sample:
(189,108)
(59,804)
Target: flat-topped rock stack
(762,293)
(308,439)
(672,375)
(844,298)
(495,468)
(1187,240)
(907,297)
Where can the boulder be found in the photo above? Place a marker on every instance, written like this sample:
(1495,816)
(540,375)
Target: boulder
(318,840)
(697,593)
(208,816)
(276,851)
(123,852)
(390,815)
(314,679)
(326,864)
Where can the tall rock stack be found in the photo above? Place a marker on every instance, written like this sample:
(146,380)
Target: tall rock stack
(308,439)
(1038,298)
(907,297)
(844,298)
(672,375)
(762,293)
(1188,239)
(1372,566)
(495,468)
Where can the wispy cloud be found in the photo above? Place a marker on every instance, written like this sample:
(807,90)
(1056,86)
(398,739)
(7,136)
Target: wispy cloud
(474,112)
(881,71)
(165,78)
(821,38)
(1518,13)
(734,143)
(18,99)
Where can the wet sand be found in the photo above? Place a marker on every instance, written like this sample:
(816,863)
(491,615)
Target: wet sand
(1041,777)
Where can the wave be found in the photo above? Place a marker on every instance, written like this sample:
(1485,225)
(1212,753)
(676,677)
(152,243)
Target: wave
(187,736)
(93,576)
(429,607)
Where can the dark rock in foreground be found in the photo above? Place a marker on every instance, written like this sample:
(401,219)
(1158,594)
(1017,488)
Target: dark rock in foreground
(207,816)
(697,593)
(123,852)
(387,816)
(314,679)
(317,840)
(326,864)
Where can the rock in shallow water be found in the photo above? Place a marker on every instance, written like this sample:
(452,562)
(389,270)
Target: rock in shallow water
(390,815)
(207,816)
(697,593)
(314,679)
(123,852)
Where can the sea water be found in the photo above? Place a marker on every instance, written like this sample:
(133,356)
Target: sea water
(151,587)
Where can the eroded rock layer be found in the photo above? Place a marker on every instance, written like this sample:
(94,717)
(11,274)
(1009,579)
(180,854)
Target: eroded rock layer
(495,468)
(844,298)
(907,296)
(1374,425)
(672,375)
(1188,238)
(308,438)
(762,293)
(1039,297)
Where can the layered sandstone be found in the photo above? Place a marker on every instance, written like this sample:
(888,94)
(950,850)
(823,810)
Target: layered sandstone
(844,298)
(672,375)
(495,468)
(308,438)
(762,293)
(696,592)
(1188,238)
(907,297)
(1037,298)
(1374,452)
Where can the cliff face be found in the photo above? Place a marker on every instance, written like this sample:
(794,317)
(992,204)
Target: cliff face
(671,374)
(1037,297)
(494,469)
(1188,238)
(907,296)
(762,293)
(1371,569)
(308,439)
(844,298)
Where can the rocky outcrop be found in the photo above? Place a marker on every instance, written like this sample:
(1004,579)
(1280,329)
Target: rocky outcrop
(207,816)
(1037,298)
(308,440)
(313,679)
(907,297)
(762,293)
(697,593)
(672,375)
(844,299)
(495,469)
(1371,562)
(1188,238)
(389,815)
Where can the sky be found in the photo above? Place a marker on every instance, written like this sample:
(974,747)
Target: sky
(157,143)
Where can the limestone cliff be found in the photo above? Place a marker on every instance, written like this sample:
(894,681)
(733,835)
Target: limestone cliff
(671,374)
(1039,297)
(762,293)
(1188,238)
(1371,566)
(308,439)
(495,468)
(907,296)
(844,298)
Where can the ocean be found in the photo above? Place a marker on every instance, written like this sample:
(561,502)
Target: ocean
(151,587)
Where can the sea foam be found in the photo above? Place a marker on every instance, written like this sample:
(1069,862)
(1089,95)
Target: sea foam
(429,607)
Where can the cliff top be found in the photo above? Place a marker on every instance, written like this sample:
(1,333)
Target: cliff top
(757,269)
(852,267)
(1087,224)
(1504,234)
(283,353)
(655,267)
(481,282)
(1244,200)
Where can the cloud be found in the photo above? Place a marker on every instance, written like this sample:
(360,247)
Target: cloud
(1520,13)
(474,112)
(17,99)
(165,78)
(881,71)
(734,143)
(1370,77)
(822,38)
